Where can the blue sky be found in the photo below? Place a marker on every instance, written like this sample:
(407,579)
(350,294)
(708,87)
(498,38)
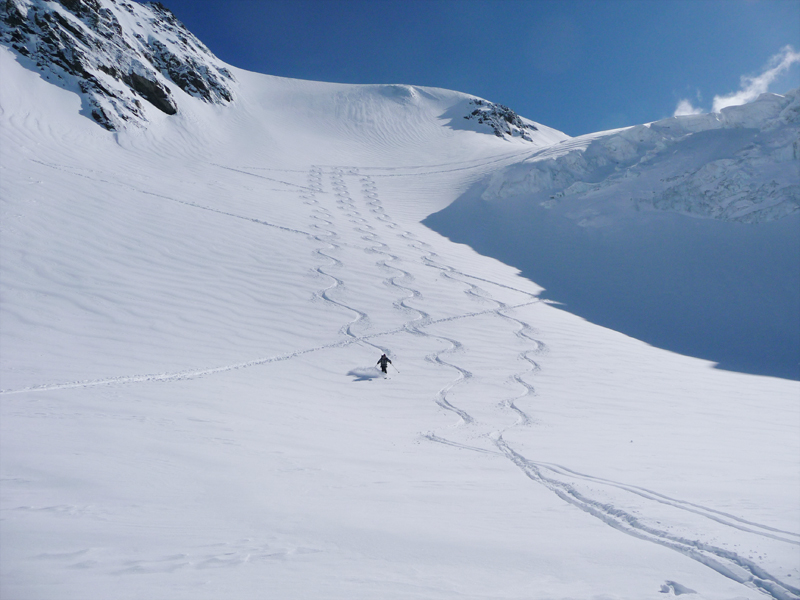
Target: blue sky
(577,65)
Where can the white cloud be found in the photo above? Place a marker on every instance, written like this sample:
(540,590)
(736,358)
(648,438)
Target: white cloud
(685,108)
(752,87)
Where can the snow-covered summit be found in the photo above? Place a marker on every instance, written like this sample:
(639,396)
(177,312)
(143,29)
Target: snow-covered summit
(739,165)
(126,60)
(117,54)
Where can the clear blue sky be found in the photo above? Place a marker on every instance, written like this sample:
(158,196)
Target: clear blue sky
(576,65)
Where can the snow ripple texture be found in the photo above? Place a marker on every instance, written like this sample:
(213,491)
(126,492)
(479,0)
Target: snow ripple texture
(190,404)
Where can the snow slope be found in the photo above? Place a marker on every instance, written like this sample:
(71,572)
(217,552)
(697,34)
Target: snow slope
(191,312)
(684,233)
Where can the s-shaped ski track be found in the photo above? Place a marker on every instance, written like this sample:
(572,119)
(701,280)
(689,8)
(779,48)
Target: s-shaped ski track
(562,481)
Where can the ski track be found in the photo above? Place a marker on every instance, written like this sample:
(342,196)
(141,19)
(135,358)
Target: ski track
(197,373)
(451,167)
(247,172)
(709,513)
(419,317)
(327,236)
(138,190)
(559,479)
(725,562)
(429,259)
(328,240)
(343,202)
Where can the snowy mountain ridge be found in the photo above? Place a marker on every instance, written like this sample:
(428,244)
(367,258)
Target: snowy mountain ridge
(742,164)
(117,54)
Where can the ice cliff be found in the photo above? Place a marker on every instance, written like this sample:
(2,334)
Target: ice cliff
(742,164)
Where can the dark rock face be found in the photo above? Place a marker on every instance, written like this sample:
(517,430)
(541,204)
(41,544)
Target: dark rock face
(503,121)
(84,44)
(152,91)
(191,75)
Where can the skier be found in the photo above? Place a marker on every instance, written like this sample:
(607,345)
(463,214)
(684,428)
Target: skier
(383,361)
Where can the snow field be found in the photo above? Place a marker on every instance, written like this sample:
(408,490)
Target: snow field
(185,410)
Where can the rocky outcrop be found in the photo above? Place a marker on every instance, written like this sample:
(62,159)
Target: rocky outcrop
(120,56)
(501,119)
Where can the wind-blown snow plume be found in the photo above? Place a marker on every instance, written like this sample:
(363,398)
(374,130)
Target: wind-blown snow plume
(685,107)
(752,87)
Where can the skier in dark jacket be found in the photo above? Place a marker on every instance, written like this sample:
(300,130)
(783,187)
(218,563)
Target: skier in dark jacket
(383,361)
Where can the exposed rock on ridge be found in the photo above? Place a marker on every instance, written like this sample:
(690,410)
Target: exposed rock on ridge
(502,120)
(116,54)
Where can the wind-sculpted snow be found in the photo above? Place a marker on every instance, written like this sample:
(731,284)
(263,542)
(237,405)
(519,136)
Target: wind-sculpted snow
(116,54)
(190,404)
(738,165)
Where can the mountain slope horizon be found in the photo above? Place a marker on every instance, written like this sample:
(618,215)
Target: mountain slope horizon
(690,296)
(193,305)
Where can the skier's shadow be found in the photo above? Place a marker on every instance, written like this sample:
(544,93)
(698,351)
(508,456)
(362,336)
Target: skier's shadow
(365,374)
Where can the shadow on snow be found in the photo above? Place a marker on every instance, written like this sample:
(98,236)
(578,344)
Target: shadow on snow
(723,291)
(365,374)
